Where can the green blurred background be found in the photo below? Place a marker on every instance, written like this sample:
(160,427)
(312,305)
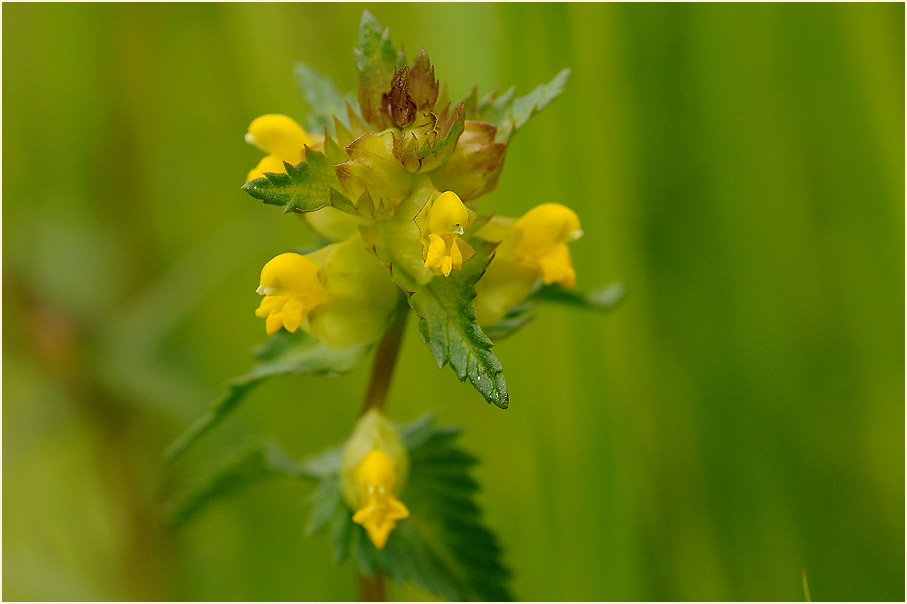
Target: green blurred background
(740,417)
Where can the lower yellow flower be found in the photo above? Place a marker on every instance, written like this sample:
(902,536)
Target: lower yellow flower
(281,138)
(447,219)
(373,469)
(379,509)
(291,290)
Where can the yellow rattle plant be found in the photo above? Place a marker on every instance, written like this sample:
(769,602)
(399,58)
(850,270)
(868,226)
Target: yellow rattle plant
(393,188)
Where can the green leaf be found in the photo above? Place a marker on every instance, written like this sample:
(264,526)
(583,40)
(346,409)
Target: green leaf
(604,298)
(252,464)
(342,531)
(423,87)
(513,321)
(334,153)
(509,114)
(284,353)
(322,96)
(444,546)
(305,187)
(376,59)
(449,329)
(325,500)
(373,168)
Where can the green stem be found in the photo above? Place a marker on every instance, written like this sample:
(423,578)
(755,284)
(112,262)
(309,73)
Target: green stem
(371,589)
(385,359)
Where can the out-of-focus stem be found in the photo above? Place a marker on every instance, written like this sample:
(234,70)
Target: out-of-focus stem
(371,589)
(385,359)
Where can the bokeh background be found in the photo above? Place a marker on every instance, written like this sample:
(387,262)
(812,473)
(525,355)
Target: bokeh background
(740,417)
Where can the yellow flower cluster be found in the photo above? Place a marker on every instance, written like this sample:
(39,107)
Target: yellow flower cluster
(531,247)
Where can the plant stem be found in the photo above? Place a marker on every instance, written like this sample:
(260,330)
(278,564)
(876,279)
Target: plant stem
(371,589)
(383,366)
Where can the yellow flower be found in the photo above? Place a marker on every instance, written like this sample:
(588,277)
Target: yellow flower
(546,230)
(339,294)
(446,220)
(291,290)
(373,468)
(530,247)
(379,509)
(281,138)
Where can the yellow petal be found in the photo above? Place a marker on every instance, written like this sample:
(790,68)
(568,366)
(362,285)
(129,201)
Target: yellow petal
(292,314)
(448,214)
(379,517)
(278,135)
(293,274)
(556,266)
(436,251)
(396,509)
(456,257)
(270,304)
(269,163)
(274,322)
(379,532)
(377,469)
(547,225)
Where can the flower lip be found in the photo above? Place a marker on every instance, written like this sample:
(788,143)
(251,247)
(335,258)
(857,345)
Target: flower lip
(253,141)
(574,235)
(264,290)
